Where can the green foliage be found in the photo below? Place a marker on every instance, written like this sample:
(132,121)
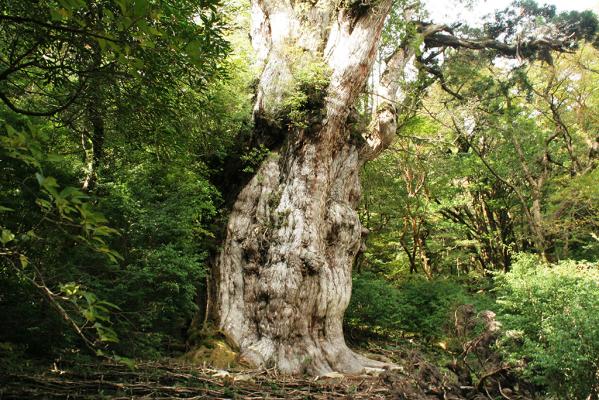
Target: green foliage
(254,158)
(164,211)
(476,186)
(573,217)
(551,324)
(124,94)
(375,305)
(95,311)
(305,101)
(59,216)
(395,206)
(415,307)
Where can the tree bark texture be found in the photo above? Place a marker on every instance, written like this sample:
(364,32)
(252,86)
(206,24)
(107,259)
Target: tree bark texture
(284,272)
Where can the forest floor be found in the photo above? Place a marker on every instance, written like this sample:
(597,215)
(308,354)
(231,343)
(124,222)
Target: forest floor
(415,378)
(169,380)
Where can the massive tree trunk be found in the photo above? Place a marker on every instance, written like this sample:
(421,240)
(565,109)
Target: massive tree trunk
(284,272)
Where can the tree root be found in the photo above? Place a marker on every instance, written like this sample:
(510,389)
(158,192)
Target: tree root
(163,381)
(416,379)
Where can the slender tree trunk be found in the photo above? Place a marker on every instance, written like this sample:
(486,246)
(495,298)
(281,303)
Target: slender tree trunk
(95,109)
(424,257)
(284,272)
(97,148)
(536,225)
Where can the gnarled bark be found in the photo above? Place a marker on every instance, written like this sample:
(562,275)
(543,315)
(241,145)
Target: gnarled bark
(284,273)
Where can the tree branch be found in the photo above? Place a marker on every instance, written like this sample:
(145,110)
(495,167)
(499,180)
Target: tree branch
(448,40)
(51,298)
(62,28)
(47,113)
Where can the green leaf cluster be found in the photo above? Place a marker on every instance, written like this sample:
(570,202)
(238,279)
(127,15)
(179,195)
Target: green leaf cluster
(551,323)
(304,102)
(414,307)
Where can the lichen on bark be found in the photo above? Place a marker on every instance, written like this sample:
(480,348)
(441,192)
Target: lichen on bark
(284,271)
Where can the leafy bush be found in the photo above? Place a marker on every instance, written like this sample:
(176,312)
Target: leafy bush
(59,247)
(427,305)
(375,304)
(417,306)
(550,315)
(163,212)
(45,223)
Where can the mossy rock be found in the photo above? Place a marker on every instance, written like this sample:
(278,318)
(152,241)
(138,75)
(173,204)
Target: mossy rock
(214,352)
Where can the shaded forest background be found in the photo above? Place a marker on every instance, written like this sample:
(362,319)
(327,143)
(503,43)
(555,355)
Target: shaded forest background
(126,135)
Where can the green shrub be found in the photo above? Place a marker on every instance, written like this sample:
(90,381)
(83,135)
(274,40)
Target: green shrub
(163,212)
(420,307)
(428,305)
(306,99)
(375,305)
(550,315)
(51,234)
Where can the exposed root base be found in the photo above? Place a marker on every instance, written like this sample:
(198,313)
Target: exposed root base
(326,361)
